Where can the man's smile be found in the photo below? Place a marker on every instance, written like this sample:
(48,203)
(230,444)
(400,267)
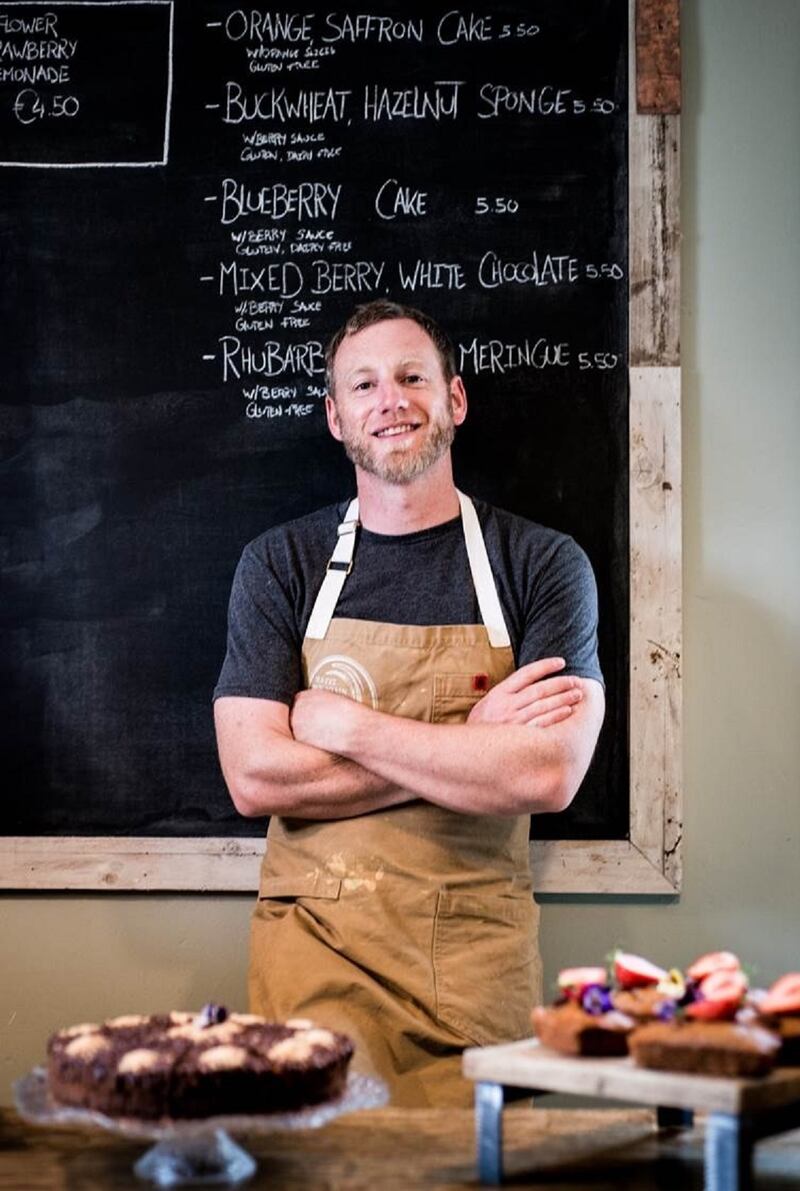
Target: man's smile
(398,428)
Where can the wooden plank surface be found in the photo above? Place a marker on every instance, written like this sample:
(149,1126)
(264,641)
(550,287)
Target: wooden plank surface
(658,56)
(604,866)
(654,232)
(231,865)
(655,624)
(226,864)
(395,1149)
(527,1064)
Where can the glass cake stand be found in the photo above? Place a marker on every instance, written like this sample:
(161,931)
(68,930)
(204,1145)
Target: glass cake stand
(194,1151)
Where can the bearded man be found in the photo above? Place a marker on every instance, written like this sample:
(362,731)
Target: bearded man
(409,675)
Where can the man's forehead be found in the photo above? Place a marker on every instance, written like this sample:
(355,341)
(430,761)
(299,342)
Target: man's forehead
(399,339)
(365,369)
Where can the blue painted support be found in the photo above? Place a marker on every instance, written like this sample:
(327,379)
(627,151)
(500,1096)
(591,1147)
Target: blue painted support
(730,1141)
(729,1153)
(489,1131)
(674,1118)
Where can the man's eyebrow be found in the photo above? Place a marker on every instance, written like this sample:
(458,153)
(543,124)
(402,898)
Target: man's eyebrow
(360,371)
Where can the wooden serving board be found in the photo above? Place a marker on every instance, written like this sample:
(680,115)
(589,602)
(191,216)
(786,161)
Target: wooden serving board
(527,1064)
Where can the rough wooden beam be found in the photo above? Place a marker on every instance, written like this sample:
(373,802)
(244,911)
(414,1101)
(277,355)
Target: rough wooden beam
(658,57)
(655,640)
(648,862)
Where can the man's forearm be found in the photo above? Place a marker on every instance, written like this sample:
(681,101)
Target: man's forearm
(500,769)
(268,772)
(285,777)
(495,767)
(332,758)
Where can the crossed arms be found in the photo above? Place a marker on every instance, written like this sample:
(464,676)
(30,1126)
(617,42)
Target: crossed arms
(524,748)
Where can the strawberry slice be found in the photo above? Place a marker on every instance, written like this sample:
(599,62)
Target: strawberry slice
(575,980)
(632,971)
(783,996)
(713,961)
(720,996)
(723,986)
(721,1010)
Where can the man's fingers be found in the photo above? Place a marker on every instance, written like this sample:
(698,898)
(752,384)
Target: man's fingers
(526,714)
(542,706)
(530,700)
(545,688)
(552,717)
(532,672)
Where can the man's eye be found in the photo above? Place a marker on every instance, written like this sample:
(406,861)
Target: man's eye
(413,378)
(363,385)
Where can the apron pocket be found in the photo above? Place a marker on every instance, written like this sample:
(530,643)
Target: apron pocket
(485,959)
(454,696)
(291,887)
(278,895)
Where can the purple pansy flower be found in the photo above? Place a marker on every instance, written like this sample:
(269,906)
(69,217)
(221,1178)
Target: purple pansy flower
(596,999)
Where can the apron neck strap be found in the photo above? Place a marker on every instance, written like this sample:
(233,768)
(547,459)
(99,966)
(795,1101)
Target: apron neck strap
(339,567)
(482,577)
(341,564)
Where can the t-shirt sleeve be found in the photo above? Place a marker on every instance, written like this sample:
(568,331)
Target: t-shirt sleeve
(561,619)
(262,660)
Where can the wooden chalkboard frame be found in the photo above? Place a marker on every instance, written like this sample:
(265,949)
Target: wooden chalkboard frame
(649,860)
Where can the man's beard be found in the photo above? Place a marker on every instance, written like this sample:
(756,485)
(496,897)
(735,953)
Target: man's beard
(402,466)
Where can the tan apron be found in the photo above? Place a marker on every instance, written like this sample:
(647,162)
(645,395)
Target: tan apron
(413,929)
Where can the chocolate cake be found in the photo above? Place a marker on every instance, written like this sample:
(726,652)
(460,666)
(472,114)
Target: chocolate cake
(570,1030)
(705,1047)
(196,1065)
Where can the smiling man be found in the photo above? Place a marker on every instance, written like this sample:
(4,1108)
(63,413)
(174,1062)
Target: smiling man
(409,675)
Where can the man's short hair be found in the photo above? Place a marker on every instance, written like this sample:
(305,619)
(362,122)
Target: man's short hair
(381,311)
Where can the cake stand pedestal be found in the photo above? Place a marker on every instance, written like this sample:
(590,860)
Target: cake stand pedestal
(206,1158)
(193,1152)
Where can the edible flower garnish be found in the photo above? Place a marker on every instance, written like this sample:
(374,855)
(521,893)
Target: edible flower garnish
(596,999)
(674,986)
(692,993)
(210,1015)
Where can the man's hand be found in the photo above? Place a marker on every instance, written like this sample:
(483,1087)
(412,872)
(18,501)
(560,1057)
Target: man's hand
(268,772)
(530,696)
(323,719)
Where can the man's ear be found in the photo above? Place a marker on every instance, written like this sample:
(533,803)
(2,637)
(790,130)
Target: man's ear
(331,413)
(458,400)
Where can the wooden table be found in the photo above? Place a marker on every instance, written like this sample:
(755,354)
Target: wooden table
(394,1149)
(739,1112)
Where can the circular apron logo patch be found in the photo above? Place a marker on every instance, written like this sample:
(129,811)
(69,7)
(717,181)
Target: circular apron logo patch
(345,676)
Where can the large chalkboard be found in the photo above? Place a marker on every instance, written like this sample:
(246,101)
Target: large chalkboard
(193,196)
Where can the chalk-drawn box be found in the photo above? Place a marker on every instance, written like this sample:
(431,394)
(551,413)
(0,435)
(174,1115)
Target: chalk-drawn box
(85,83)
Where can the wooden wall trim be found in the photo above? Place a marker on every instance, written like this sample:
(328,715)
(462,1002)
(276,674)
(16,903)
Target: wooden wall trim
(649,861)
(215,864)
(655,633)
(658,56)
(223,865)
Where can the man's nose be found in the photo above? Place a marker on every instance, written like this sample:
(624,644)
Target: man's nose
(392,395)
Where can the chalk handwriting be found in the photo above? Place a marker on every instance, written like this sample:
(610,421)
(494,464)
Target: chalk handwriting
(305,200)
(277,104)
(303,233)
(439,102)
(369,27)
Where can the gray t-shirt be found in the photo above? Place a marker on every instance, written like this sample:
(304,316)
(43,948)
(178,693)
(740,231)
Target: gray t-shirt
(544,581)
